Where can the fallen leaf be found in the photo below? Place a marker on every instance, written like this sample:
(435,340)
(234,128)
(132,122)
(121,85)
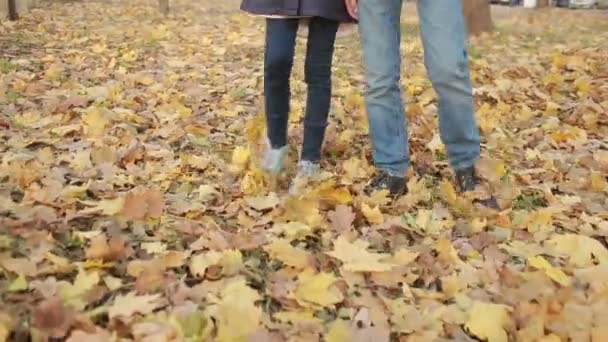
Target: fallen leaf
(581,250)
(316,288)
(339,332)
(19,266)
(356,258)
(373,215)
(125,306)
(200,262)
(19,284)
(53,318)
(237,300)
(103,249)
(488,321)
(283,251)
(264,202)
(342,218)
(554,273)
(98,335)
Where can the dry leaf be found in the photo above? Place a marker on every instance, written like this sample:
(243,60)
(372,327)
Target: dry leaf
(342,218)
(125,306)
(356,258)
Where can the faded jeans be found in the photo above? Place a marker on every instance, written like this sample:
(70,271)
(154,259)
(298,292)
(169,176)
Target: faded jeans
(445,57)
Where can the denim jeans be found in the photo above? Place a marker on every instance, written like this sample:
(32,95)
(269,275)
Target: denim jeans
(278,61)
(444,41)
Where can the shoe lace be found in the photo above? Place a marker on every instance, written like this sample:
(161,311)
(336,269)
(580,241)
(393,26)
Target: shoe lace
(307,169)
(382,179)
(466,180)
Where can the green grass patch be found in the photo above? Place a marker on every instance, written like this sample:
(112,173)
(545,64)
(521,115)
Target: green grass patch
(529,201)
(7,66)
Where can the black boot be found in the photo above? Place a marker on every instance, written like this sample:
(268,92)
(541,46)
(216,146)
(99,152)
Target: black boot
(467,180)
(396,186)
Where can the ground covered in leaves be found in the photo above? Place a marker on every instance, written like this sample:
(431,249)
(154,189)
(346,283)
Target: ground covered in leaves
(131,206)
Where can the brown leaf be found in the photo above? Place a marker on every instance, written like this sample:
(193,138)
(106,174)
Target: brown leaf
(342,218)
(99,335)
(136,205)
(141,204)
(19,266)
(111,250)
(47,288)
(156,204)
(52,317)
(72,101)
(151,278)
(263,335)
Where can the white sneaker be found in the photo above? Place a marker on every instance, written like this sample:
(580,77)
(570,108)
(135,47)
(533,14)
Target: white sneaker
(274,159)
(307,170)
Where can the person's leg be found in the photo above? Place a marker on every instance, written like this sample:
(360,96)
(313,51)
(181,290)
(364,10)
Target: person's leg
(380,30)
(278,61)
(444,39)
(319,54)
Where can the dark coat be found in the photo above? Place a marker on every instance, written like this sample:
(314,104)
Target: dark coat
(329,9)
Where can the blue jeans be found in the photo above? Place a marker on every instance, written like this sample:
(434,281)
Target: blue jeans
(278,61)
(444,41)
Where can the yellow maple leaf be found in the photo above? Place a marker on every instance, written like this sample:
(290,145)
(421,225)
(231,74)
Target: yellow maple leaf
(297,317)
(329,192)
(240,159)
(554,338)
(18,284)
(253,182)
(127,305)
(304,210)
(539,220)
(54,72)
(231,262)
(283,251)
(200,262)
(95,123)
(598,182)
(73,294)
(354,168)
(403,257)
(452,285)
(262,203)
(581,250)
(237,315)
(356,258)
(339,332)
(108,207)
(315,288)
(373,215)
(428,224)
(446,251)
(554,273)
(292,230)
(487,321)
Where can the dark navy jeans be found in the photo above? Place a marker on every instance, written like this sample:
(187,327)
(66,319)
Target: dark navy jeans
(278,61)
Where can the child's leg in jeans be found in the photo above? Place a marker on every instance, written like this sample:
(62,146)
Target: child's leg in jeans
(319,54)
(278,60)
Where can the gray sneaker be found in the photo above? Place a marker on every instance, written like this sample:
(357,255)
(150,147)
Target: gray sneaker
(274,159)
(307,170)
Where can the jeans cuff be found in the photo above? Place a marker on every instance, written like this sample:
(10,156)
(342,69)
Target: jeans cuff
(393,173)
(465,165)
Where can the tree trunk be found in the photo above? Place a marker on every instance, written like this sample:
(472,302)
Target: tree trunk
(12,10)
(477,16)
(163,5)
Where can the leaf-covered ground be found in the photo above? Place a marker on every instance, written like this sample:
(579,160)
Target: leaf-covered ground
(131,207)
